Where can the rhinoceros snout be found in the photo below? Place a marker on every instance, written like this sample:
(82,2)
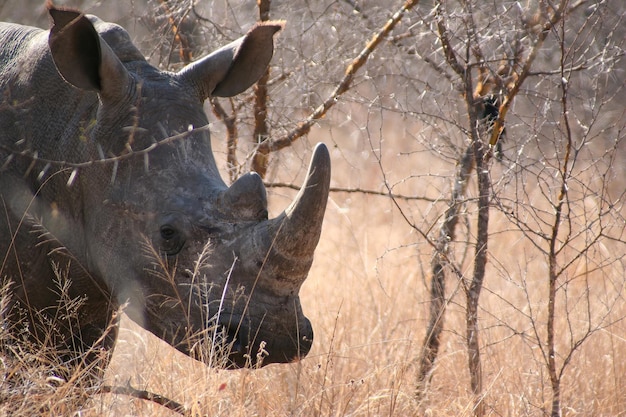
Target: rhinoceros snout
(274,347)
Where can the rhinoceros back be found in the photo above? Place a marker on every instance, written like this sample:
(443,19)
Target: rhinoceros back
(40,111)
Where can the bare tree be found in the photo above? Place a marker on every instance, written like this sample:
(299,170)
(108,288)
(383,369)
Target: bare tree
(488,77)
(485,131)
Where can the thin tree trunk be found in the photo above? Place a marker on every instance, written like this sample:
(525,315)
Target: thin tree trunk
(555,378)
(480,265)
(260,160)
(231,136)
(439,261)
(555,381)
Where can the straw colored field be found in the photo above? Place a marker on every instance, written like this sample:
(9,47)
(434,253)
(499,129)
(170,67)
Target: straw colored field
(367,297)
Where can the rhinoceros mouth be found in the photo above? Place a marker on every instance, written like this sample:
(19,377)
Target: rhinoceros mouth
(243,353)
(238,352)
(230,348)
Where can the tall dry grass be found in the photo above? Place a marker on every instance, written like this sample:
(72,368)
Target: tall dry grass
(367,297)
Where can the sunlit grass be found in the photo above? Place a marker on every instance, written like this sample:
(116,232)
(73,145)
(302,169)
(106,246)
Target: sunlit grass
(367,297)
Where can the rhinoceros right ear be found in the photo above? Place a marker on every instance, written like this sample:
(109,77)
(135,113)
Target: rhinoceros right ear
(233,68)
(82,58)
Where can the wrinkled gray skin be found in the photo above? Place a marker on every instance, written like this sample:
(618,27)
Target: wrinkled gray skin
(158,230)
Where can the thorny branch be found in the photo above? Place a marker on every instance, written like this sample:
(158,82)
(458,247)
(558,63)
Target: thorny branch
(448,50)
(359,190)
(260,159)
(344,85)
(129,153)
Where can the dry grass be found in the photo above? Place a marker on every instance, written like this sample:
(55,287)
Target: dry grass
(367,299)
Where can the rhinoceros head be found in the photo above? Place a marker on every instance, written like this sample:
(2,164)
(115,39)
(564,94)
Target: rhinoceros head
(198,262)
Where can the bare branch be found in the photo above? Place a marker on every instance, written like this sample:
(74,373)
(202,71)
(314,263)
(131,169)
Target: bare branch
(145,395)
(344,85)
(358,190)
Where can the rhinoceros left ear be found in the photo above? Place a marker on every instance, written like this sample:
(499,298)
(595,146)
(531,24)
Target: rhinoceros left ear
(82,58)
(233,68)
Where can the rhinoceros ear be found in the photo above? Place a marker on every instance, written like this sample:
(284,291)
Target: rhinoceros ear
(233,68)
(81,57)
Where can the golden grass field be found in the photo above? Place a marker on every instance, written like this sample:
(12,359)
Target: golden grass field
(367,297)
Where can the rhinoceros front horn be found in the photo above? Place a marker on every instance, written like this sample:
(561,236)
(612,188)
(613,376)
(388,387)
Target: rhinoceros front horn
(297,230)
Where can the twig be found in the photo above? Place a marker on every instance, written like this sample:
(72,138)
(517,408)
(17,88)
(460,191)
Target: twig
(304,127)
(358,190)
(145,395)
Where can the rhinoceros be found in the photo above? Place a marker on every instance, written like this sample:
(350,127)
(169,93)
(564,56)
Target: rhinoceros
(110,197)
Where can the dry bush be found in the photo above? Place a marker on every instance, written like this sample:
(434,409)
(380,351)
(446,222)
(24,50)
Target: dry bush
(36,377)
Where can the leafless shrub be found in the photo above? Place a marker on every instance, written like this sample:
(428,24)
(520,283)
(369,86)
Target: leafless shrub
(36,376)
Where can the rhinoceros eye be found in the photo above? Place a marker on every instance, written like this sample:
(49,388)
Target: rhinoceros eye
(172,240)
(168,232)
